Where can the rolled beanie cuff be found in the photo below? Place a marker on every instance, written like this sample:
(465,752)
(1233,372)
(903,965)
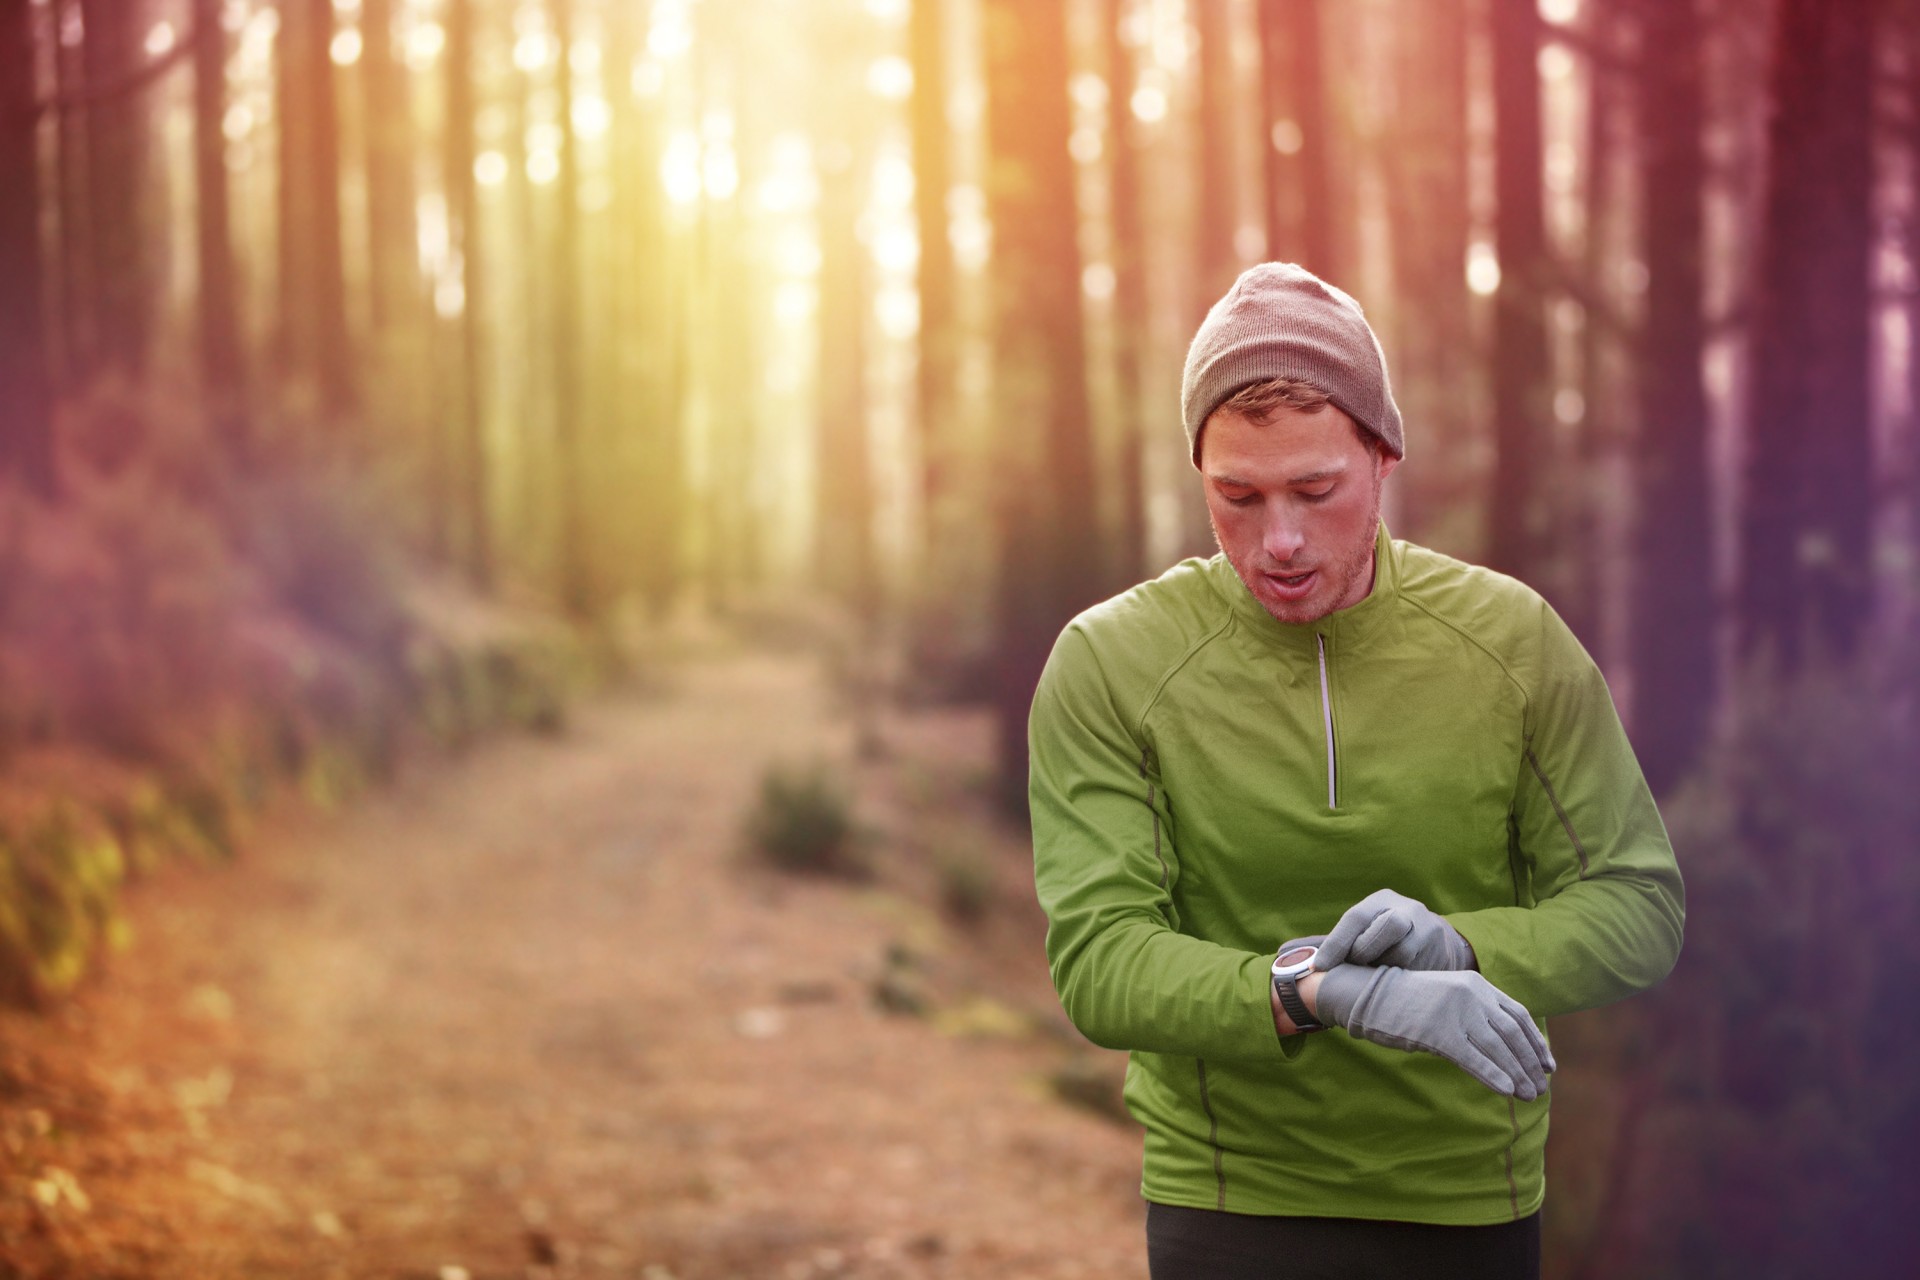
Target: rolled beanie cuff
(1279,320)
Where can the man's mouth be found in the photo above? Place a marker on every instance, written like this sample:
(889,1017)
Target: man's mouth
(1295,584)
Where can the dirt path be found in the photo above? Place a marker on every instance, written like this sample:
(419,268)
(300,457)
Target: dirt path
(525,1014)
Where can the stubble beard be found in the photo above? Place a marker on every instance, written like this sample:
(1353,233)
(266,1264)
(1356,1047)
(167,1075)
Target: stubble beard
(1349,572)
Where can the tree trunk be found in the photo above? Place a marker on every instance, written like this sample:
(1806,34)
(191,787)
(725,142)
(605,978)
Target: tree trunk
(1807,498)
(476,539)
(333,347)
(1521,384)
(26,442)
(1049,541)
(1433,377)
(222,368)
(576,591)
(1673,602)
(843,484)
(117,150)
(75,326)
(1296,142)
(1129,301)
(844,549)
(393,255)
(939,322)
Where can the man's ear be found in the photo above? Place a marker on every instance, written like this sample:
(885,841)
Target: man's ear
(1388,462)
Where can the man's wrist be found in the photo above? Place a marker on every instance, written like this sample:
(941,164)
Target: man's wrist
(1307,988)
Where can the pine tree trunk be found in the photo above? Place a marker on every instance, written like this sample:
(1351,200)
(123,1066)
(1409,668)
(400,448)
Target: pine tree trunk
(939,322)
(333,346)
(117,151)
(1427,211)
(476,540)
(575,586)
(1807,501)
(222,364)
(1673,602)
(1049,541)
(1293,92)
(1129,301)
(1521,384)
(26,442)
(393,262)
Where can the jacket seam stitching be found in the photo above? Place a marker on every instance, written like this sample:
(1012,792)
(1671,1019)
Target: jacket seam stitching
(1566,823)
(1513,1189)
(1152,794)
(1140,724)
(1213,1138)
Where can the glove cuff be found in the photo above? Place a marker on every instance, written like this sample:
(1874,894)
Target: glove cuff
(1341,991)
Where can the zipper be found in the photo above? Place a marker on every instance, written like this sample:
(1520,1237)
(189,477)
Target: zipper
(1326,716)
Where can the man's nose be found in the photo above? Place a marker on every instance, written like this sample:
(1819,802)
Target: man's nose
(1281,538)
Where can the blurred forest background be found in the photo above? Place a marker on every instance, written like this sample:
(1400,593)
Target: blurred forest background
(366,364)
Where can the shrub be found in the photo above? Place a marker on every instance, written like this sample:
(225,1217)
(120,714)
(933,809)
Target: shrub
(803,822)
(1783,1044)
(966,885)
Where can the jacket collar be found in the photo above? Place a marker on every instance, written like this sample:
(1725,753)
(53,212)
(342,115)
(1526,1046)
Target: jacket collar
(1341,628)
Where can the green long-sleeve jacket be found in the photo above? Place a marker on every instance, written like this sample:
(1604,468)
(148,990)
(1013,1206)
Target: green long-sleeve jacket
(1207,783)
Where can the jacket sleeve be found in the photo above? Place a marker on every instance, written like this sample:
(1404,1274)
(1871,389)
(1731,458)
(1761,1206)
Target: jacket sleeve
(1104,870)
(1608,903)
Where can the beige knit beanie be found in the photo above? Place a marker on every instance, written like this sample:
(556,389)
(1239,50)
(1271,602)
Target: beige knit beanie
(1280,320)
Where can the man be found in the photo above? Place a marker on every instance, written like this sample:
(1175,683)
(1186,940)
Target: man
(1328,736)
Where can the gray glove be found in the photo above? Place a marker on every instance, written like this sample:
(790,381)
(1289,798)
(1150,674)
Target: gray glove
(1457,1016)
(1388,928)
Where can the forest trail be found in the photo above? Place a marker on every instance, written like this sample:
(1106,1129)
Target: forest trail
(525,1013)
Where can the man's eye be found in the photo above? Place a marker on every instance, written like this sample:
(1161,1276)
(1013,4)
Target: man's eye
(1244,500)
(1321,496)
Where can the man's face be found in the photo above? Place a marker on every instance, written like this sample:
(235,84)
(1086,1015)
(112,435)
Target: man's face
(1295,504)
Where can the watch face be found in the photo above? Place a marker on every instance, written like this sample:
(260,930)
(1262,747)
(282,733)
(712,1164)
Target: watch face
(1294,961)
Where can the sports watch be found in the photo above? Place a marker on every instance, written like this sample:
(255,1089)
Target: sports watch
(1291,965)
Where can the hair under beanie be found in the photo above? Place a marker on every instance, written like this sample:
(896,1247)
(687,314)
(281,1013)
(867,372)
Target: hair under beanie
(1280,320)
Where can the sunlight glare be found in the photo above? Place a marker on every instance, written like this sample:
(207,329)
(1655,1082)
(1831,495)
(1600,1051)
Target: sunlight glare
(1483,268)
(720,173)
(238,122)
(1560,11)
(1085,145)
(1089,92)
(892,180)
(346,47)
(793,301)
(1097,281)
(449,297)
(542,167)
(535,51)
(161,39)
(1288,137)
(888,12)
(1149,103)
(670,35)
(680,168)
(897,308)
(425,43)
(648,78)
(890,78)
(1555,62)
(592,116)
(490,168)
(1569,406)
(896,248)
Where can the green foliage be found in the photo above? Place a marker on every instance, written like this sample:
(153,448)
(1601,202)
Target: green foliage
(966,885)
(184,632)
(803,822)
(1784,1040)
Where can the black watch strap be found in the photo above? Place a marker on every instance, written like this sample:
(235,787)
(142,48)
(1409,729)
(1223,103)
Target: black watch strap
(1296,1007)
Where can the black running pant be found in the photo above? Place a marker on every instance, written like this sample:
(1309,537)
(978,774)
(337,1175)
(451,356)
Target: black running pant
(1206,1244)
